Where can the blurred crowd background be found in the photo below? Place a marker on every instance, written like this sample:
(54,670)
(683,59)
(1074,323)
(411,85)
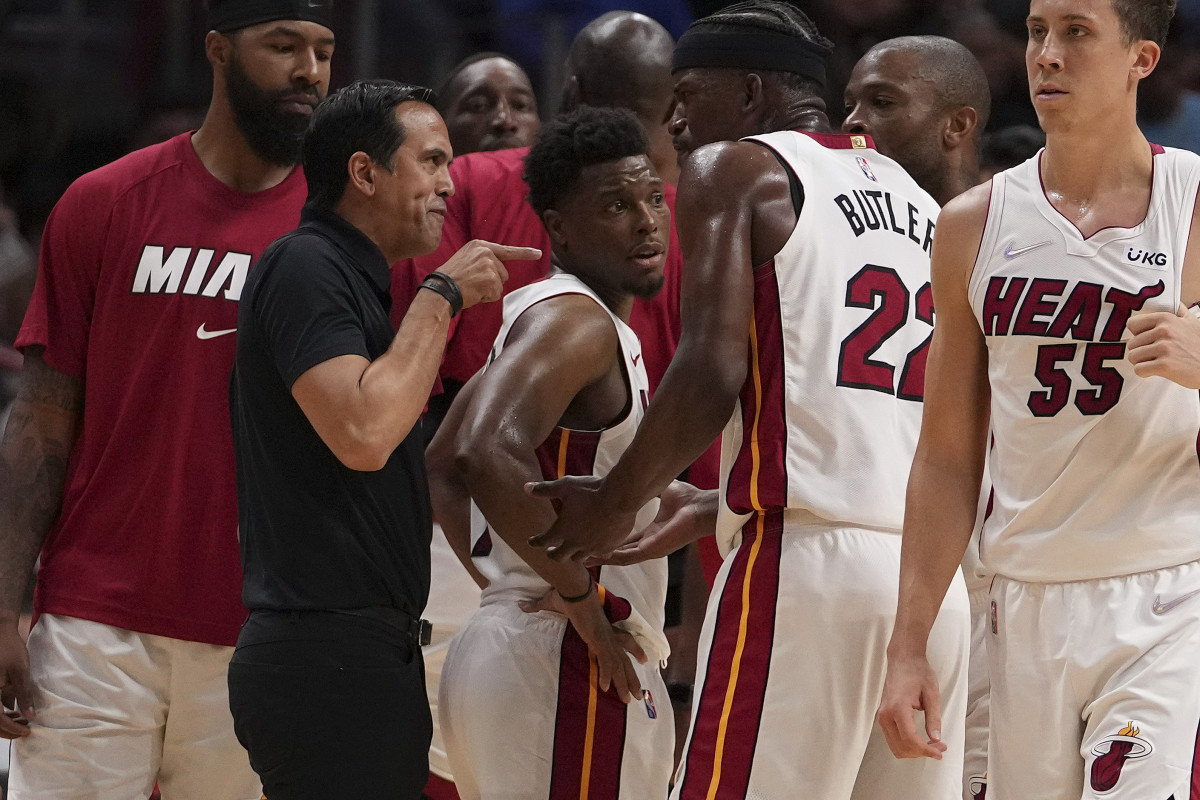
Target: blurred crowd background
(85,81)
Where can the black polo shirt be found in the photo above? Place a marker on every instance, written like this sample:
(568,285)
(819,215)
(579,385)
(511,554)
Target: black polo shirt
(314,533)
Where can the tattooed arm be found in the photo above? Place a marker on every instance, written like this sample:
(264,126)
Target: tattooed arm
(37,442)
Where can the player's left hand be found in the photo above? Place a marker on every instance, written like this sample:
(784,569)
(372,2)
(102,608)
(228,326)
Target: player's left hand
(910,686)
(609,646)
(587,523)
(1166,345)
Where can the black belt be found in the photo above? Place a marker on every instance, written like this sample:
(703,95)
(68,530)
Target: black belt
(419,630)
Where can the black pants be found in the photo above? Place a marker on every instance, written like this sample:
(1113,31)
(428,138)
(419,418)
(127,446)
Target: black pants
(330,706)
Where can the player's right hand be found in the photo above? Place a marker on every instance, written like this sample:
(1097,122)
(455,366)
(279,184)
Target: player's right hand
(478,269)
(609,646)
(911,686)
(16,685)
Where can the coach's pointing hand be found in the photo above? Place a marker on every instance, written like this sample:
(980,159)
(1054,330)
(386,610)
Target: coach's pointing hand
(478,269)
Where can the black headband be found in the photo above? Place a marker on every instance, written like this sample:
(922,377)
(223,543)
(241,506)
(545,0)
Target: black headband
(750,49)
(227,16)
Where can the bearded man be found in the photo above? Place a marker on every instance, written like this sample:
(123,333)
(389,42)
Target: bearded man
(117,462)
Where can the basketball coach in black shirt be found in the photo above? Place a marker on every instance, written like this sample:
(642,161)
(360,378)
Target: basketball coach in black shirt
(327,686)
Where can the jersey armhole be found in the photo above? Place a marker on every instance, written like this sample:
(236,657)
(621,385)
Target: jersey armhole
(988,234)
(795,188)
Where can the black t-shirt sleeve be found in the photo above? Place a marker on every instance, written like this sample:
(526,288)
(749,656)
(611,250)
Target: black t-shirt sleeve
(305,308)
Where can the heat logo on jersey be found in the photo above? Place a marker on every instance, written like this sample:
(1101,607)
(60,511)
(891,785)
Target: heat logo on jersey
(977,785)
(161,273)
(648,700)
(866,168)
(1113,752)
(1038,307)
(1042,307)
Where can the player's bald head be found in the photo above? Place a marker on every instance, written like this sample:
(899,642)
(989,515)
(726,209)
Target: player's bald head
(619,60)
(954,74)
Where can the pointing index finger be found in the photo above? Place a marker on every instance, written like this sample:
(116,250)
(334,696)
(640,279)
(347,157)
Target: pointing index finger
(506,252)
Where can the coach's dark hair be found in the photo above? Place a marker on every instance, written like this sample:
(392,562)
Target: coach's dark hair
(773,16)
(360,117)
(1145,19)
(573,141)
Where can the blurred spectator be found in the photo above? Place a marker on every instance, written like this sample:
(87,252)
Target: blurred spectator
(18,268)
(163,121)
(856,27)
(1002,54)
(540,32)
(488,104)
(1007,147)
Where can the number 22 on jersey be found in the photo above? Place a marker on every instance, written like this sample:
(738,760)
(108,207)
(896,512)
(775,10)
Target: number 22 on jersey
(881,289)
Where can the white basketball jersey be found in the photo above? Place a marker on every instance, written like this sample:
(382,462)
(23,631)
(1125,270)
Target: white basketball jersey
(575,452)
(1094,470)
(828,417)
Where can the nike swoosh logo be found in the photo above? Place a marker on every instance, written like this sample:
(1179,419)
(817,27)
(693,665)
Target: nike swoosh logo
(1011,253)
(637,358)
(203,334)
(1159,608)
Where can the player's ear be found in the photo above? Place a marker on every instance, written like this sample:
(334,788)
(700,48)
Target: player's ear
(217,48)
(553,222)
(360,170)
(959,126)
(1147,54)
(752,91)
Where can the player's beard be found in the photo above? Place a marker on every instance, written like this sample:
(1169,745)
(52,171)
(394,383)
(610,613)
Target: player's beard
(647,288)
(275,136)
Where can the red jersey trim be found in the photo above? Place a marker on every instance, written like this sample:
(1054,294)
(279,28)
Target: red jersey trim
(589,728)
(758,477)
(725,730)
(568,452)
(842,141)
(1195,785)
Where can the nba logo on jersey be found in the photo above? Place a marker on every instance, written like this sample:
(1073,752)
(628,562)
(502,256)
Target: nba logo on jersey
(648,699)
(866,168)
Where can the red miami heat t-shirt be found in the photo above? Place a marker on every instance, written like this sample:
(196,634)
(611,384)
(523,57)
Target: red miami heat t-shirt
(142,265)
